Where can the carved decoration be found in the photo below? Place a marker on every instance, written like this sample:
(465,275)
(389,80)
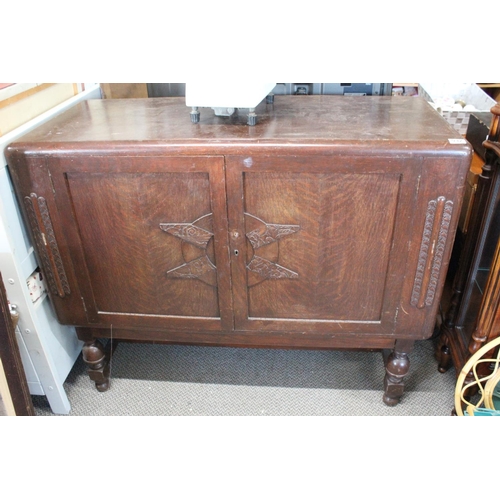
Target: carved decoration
(193,269)
(45,241)
(201,268)
(434,237)
(190,233)
(51,241)
(267,234)
(270,270)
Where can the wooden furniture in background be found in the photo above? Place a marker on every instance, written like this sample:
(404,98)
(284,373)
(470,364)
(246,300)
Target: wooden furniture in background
(473,315)
(327,225)
(14,387)
(492,89)
(21,102)
(124,90)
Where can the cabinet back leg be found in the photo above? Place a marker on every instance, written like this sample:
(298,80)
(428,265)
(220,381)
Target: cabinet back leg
(443,353)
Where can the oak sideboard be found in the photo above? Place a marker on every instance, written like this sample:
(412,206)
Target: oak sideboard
(329,224)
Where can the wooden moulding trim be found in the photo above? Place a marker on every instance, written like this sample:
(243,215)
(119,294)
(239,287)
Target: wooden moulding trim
(197,148)
(288,340)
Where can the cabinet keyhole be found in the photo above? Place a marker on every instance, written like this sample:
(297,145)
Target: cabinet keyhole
(236,252)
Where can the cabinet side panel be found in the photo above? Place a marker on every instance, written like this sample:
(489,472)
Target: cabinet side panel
(438,208)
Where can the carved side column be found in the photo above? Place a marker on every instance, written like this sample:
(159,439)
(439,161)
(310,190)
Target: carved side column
(396,367)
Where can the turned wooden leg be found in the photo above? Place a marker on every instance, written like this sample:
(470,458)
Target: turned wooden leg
(443,354)
(97,359)
(445,361)
(396,368)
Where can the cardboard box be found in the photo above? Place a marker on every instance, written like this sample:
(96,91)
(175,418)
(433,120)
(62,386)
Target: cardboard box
(468,93)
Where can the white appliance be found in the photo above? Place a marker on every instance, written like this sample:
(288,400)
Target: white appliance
(48,349)
(225,98)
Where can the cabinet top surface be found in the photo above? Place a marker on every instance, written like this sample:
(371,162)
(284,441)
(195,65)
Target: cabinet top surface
(290,120)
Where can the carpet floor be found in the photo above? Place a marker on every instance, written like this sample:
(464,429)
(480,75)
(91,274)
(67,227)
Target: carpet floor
(155,379)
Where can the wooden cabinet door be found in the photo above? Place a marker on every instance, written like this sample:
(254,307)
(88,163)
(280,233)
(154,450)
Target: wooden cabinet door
(145,240)
(320,243)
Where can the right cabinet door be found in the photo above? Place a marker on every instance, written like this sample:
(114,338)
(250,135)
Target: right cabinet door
(321,243)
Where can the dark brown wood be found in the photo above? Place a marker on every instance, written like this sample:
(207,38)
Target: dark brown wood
(397,367)
(124,90)
(444,355)
(11,360)
(329,224)
(258,339)
(98,360)
(472,318)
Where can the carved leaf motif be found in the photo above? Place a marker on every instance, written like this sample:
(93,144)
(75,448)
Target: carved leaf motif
(188,232)
(270,270)
(269,234)
(266,234)
(192,270)
(200,268)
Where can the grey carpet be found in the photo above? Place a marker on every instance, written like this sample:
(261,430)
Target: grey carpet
(153,379)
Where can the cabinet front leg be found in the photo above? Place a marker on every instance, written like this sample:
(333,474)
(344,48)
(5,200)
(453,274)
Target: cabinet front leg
(97,359)
(396,367)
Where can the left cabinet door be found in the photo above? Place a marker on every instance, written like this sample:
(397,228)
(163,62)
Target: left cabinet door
(142,240)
